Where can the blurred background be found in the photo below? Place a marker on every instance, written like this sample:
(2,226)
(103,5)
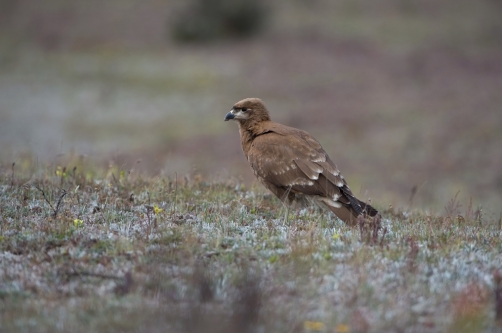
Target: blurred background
(405,95)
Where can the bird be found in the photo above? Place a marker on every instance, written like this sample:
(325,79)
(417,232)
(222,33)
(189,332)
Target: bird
(292,164)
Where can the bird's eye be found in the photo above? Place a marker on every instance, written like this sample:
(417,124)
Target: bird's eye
(244,109)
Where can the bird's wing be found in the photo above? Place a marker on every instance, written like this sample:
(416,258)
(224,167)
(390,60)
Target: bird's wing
(295,160)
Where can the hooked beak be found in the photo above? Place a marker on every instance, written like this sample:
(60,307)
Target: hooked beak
(229,116)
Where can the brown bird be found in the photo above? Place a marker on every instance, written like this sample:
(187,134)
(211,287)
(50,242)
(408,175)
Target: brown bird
(292,164)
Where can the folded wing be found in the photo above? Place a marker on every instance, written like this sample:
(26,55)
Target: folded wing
(295,163)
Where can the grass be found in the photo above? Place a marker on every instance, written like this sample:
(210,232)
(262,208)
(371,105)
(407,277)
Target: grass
(83,250)
(408,91)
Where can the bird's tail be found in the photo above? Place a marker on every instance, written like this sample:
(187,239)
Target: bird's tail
(356,206)
(367,208)
(349,214)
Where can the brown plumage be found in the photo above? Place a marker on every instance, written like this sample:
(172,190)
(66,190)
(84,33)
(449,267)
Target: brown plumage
(292,164)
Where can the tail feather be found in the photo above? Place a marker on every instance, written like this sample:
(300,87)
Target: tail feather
(368,209)
(349,214)
(346,214)
(348,210)
(356,206)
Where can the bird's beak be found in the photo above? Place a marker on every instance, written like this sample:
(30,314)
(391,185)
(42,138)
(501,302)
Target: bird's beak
(229,116)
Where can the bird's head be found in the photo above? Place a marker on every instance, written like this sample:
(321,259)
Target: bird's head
(249,109)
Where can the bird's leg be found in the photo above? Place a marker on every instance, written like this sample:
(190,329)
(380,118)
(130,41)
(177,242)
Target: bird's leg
(286,202)
(285,210)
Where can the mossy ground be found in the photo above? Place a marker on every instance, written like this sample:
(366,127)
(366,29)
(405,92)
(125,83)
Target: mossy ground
(112,251)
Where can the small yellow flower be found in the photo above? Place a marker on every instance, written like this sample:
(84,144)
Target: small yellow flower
(336,235)
(157,210)
(313,325)
(78,223)
(342,328)
(60,172)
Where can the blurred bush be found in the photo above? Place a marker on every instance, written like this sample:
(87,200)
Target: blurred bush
(205,20)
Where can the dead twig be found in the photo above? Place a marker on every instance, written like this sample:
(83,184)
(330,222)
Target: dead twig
(58,204)
(45,197)
(369,228)
(149,208)
(453,207)
(12,175)
(175,193)
(412,195)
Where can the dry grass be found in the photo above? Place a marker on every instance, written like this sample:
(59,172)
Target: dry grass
(401,95)
(125,253)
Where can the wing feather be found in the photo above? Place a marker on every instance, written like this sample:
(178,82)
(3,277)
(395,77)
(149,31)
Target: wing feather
(273,159)
(329,167)
(295,162)
(287,161)
(310,169)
